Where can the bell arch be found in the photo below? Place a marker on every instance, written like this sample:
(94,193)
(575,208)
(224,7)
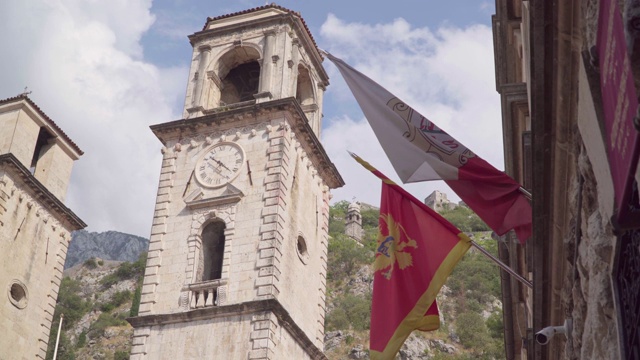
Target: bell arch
(235,77)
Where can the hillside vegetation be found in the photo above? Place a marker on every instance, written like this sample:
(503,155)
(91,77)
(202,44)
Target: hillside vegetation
(97,295)
(95,298)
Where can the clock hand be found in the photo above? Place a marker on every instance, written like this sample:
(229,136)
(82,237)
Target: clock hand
(216,169)
(221,164)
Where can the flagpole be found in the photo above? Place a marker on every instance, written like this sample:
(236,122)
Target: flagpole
(524,192)
(502,265)
(55,352)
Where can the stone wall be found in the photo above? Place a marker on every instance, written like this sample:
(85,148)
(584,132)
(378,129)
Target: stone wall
(438,201)
(588,294)
(33,242)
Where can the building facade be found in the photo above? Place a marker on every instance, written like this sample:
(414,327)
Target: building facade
(238,248)
(567,73)
(36,158)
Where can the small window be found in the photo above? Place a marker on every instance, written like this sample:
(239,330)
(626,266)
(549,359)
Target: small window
(18,294)
(301,248)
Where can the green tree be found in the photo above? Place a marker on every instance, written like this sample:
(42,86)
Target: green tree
(125,271)
(495,325)
(104,321)
(472,331)
(339,209)
(135,303)
(73,306)
(65,348)
(121,355)
(370,218)
(350,312)
(464,219)
(337,214)
(116,300)
(70,302)
(345,257)
(475,277)
(82,339)
(91,263)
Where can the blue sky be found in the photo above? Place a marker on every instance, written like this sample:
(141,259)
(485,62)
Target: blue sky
(106,70)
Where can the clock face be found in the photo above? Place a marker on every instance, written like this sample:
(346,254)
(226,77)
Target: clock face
(220,164)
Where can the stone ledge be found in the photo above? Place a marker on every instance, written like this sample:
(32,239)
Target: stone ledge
(245,308)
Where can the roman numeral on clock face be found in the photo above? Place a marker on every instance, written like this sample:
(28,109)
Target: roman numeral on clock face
(219,165)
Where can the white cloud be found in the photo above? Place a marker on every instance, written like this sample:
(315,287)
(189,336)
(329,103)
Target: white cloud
(83,61)
(85,65)
(446,74)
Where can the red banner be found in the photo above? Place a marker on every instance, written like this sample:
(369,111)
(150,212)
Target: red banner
(619,102)
(417,251)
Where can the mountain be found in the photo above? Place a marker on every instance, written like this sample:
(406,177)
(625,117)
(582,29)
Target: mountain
(109,245)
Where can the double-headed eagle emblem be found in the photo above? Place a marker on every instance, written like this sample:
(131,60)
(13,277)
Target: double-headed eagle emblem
(391,247)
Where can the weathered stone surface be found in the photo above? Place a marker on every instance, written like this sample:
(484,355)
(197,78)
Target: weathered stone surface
(362,283)
(333,339)
(589,297)
(358,352)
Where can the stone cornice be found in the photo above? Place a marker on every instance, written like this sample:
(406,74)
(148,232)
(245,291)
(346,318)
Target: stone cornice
(245,308)
(250,114)
(12,165)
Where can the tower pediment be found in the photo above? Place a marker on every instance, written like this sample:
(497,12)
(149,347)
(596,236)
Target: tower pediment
(198,199)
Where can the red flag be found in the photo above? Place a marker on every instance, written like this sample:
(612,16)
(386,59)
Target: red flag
(417,250)
(420,151)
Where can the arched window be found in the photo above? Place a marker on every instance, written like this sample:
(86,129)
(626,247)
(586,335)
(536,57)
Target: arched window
(236,77)
(212,250)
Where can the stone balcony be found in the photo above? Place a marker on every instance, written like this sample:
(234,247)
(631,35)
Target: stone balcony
(207,293)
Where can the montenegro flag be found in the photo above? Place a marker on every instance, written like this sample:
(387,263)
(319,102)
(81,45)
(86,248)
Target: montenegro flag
(416,252)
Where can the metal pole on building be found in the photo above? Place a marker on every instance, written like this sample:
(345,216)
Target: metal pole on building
(55,352)
(524,192)
(502,265)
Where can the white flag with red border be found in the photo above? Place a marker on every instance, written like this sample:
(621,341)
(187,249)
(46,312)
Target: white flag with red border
(420,151)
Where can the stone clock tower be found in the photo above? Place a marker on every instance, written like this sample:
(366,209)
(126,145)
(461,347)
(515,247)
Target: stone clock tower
(238,248)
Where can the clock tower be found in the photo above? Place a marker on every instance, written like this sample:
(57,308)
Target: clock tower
(238,248)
